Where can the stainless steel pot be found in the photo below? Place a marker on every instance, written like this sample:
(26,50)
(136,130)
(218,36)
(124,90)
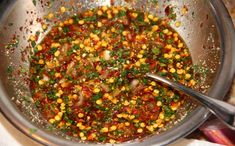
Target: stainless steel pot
(206,28)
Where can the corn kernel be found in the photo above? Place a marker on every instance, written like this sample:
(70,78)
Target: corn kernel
(165,31)
(180,45)
(178,65)
(104,130)
(131,117)
(155,28)
(192,82)
(137,64)
(104,44)
(134,15)
(99,24)
(124,33)
(41,61)
(140,56)
(126,103)
(79,124)
(44,26)
(96,90)
(39,47)
(60,29)
(81,22)
(180,71)
(123,88)
(146,20)
(142,51)
(111,80)
(57,75)
(55,45)
(168,46)
(142,125)
(61,24)
(80,115)
(176,39)
(184,10)
(40,82)
(81,134)
(112,128)
(70,21)
(52,121)
(161,116)
(139,130)
(68,124)
(50,15)
(83,138)
(155,19)
(112,141)
(187,76)
(57,53)
(166,55)
(60,114)
(99,102)
(172,70)
(62,107)
(144,47)
(150,128)
(57,94)
(61,92)
(98,68)
(59,100)
(82,127)
(133,102)
(125,115)
(93,135)
(113,29)
(136,121)
(110,16)
(66,22)
(142,60)
(127,123)
(153,83)
(159,103)
(57,118)
(119,115)
(115,11)
(62,9)
(155,125)
(156,91)
(99,12)
(32,38)
(177,56)
(174,107)
(107,95)
(150,17)
(177,24)
(125,43)
(104,8)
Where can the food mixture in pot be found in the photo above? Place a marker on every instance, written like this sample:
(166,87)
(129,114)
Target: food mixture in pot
(88,74)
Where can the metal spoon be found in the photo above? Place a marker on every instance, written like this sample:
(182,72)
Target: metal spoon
(224,111)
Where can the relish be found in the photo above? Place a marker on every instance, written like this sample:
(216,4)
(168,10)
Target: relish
(88,74)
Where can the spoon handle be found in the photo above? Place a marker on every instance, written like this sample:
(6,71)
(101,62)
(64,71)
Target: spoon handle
(224,111)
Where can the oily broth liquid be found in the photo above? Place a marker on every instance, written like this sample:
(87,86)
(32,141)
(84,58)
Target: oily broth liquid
(87,75)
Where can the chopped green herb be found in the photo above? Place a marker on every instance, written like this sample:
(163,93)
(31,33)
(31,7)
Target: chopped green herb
(96,96)
(34,2)
(156,51)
